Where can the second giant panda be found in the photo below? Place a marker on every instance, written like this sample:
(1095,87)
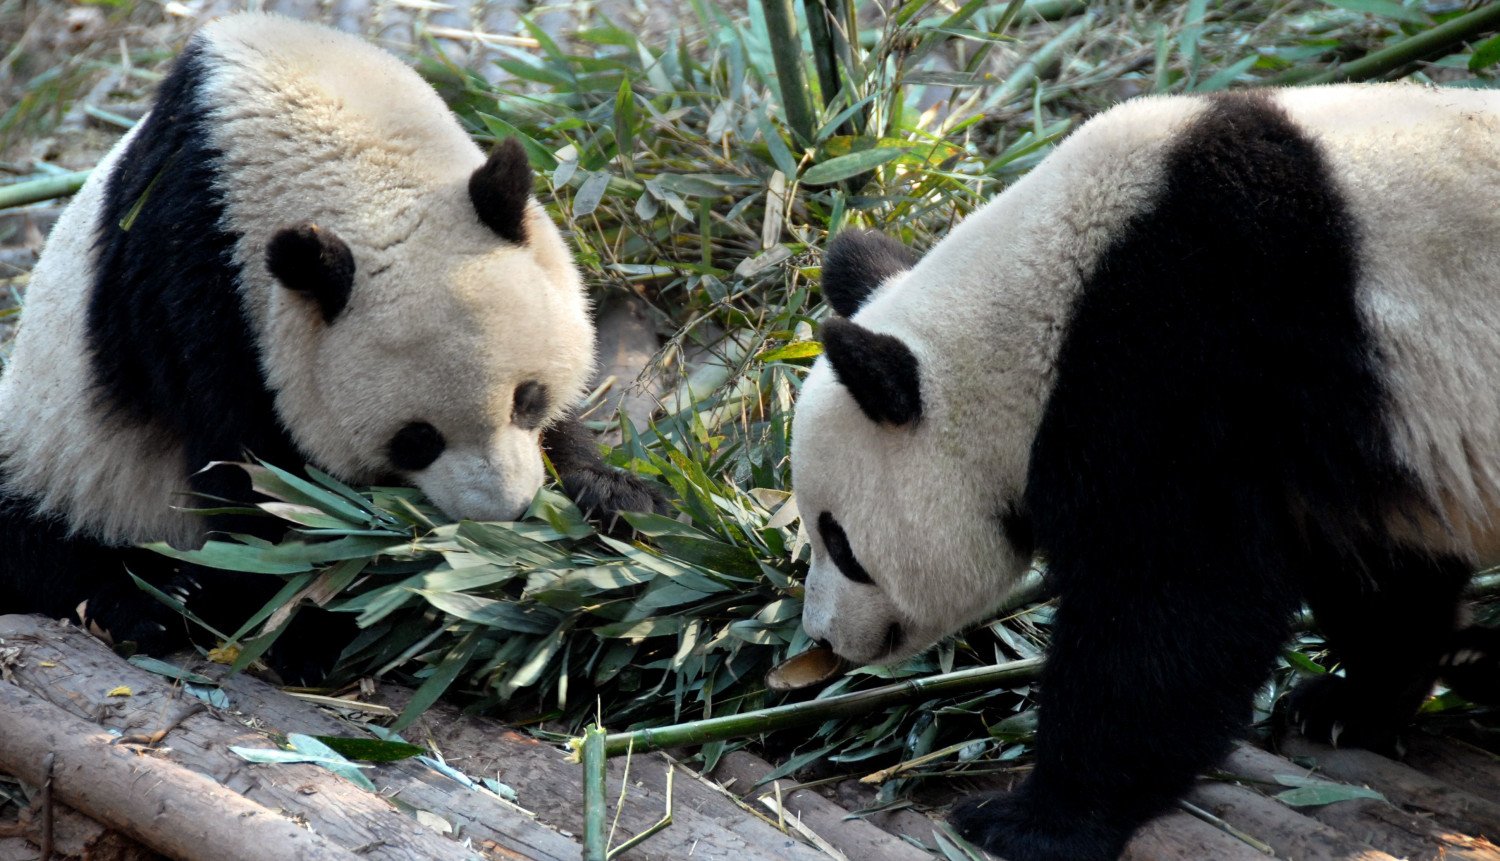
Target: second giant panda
(300,255)
(1214,357)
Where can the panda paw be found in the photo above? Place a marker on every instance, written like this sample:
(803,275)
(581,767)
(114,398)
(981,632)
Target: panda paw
(309,650)
(602,492)
(128,617)
(1330,710)
(1471,666)
(1012,826)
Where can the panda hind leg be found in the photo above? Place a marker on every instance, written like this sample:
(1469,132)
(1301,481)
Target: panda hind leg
(1386,678)
(1471,664)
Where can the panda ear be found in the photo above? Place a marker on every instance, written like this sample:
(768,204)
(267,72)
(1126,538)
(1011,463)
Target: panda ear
(500,188)
(314,262)
(856,262)
(878,370)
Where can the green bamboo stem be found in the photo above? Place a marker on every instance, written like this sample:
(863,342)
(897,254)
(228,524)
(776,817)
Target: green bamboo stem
(817,711)
(825,52)
(42,188)
(1438,40)
(864,702)
(1019,80)
(595,806)
(791,77)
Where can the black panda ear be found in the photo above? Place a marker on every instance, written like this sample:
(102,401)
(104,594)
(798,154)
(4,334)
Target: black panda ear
(878,370)
(315,262)
(856,262)
(500,188)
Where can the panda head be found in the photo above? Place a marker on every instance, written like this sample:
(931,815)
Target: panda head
(905,516)
(436,357)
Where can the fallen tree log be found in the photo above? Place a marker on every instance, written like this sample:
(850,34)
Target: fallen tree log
(58,676)
(175,811)
(707,825)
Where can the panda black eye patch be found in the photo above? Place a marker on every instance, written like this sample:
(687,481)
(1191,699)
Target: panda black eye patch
(416,446)
(837,545)
(530,405)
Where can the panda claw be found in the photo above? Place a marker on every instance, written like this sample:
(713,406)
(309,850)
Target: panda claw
(1335,732)
(82,611)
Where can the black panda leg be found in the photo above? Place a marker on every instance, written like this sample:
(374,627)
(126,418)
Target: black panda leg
(1149,679)
(1360,606)
(600,490)
(1471,664)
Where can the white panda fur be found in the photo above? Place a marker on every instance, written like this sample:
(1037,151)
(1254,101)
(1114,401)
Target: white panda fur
(986,313)
(318,123)
(279,123)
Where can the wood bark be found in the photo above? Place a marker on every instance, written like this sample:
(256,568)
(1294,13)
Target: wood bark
(1398,831)
(61,676)
(707,824)
(739,771)
(175,811)
(498,830)
(1291,834)
(1403,786)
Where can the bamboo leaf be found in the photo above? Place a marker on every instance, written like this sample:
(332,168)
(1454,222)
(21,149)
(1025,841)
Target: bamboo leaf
(846,166)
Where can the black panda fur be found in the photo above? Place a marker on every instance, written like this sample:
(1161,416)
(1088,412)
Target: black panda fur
(1213,451)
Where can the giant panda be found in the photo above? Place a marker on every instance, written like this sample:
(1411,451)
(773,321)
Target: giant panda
(299,255)
(1214,357)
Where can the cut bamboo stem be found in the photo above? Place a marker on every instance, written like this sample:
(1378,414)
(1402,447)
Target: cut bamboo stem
(1438,40)
(43,188)
(802,714)
(595,806)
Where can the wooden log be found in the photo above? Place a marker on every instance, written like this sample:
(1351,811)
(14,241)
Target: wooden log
(1280,827)
(1404,834)
(908,822)
(1464,765)
(707,825)
(1407,788)
(176,811)
(61,665)
(739,772)
(1176,836)
(74,836)
(498,830)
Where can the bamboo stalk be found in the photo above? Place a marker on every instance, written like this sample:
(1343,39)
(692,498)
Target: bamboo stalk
(1021,78)
(595,808)
(859,702)
(1439,39)
(43,188)
(791,77)
(825,52)
(817,711)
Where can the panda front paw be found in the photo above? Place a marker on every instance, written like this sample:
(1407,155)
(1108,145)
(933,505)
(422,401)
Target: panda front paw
(602,492)
(1332,711)
(309,650)
(1471,665)
(129,618)
(1014,827)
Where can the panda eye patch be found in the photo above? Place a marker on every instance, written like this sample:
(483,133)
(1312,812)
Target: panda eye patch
(416,446)
(837,545)
(530,405)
